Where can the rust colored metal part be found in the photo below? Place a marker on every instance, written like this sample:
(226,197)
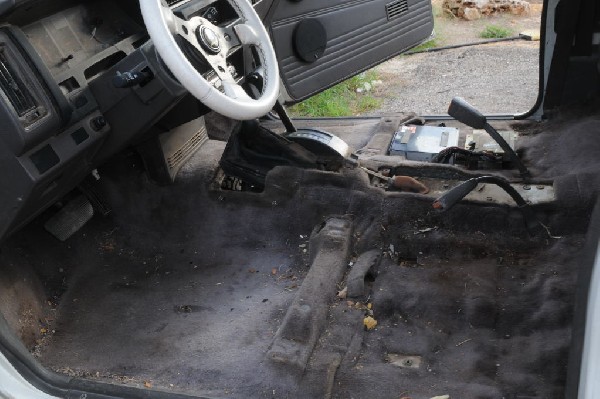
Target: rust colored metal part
(407,183)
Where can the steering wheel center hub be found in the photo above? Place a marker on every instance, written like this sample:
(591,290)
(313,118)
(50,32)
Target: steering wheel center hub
(208,39)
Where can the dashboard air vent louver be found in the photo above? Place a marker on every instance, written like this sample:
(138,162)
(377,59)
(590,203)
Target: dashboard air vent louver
(177,158)
(396,9)
(14,88)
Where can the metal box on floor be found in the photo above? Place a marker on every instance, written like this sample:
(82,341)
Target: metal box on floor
(421,143)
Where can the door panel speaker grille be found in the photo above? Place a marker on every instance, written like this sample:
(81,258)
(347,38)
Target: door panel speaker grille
(396,8)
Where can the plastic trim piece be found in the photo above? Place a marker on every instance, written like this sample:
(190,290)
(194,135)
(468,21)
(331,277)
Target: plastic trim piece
(37,65)
(589,383)
(15,386)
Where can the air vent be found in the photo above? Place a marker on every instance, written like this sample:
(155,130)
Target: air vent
(173,2)
(14,88)
(176,159)
(396,9)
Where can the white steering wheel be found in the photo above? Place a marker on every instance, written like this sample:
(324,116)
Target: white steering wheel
(215,43)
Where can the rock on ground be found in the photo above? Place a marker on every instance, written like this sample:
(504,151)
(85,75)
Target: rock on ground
(474,9)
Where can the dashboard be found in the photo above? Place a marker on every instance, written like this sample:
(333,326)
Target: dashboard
(62,112)
(81,81)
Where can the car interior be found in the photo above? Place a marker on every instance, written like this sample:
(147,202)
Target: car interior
(167,230)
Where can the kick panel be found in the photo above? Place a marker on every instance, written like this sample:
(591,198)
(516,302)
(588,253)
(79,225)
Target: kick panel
(357,35)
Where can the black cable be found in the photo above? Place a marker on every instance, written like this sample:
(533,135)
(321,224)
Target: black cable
(435,49)
(444,155)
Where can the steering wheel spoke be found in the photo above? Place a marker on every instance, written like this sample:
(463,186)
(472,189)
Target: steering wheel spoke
(246,34)
(230,39)
(235,91)
(219,65)
(186,30)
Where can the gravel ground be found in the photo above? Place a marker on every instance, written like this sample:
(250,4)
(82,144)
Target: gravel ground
(496,78)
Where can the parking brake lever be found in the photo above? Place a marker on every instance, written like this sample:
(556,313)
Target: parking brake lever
(454,195)
(464,112)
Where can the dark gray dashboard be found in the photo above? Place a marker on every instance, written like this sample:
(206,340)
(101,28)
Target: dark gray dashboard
(69,117)
(6,5)
(60,114)
(80,43)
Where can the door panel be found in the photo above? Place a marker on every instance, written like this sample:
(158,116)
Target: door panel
(359,35)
